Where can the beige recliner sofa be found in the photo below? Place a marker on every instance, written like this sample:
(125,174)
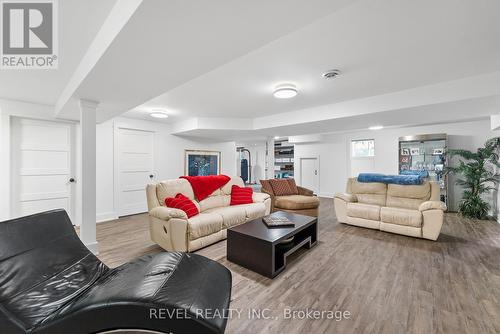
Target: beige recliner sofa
(172,230)
(413,210)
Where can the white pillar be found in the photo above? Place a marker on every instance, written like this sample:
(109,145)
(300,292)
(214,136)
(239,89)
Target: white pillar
(270,158)
(88,110)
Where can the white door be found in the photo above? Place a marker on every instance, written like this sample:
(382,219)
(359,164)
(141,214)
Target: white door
(42,167)
(135,167)
(309,174)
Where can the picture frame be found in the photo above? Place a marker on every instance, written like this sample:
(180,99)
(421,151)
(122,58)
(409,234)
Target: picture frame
(405,151)
(414,151)
(438,151)
(202,162)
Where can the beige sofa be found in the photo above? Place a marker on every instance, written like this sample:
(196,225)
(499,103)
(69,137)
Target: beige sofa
(414,210)
(172,230)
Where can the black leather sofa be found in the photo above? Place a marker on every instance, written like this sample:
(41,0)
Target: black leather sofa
(51,283)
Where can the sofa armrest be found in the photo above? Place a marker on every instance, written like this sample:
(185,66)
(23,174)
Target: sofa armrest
(350,198)
(271,202)
(432,205)
(304,191)
(260,197)
(164,213)
(433,222)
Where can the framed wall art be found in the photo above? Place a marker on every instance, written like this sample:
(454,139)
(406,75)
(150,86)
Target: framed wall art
(200,163)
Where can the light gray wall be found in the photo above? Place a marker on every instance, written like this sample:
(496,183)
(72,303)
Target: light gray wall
(169,153)
(335,161)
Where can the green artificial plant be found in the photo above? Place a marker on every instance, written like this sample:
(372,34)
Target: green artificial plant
(477,175)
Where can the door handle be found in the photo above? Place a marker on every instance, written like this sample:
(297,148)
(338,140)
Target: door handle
(72,180)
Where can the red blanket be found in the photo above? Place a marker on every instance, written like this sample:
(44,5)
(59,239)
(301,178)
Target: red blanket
(203,186)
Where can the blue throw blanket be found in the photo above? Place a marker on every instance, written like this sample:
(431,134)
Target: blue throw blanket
(421,173)
(395,179)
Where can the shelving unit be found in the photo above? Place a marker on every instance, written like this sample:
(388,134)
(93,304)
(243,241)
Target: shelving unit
(425,154)
(283,159)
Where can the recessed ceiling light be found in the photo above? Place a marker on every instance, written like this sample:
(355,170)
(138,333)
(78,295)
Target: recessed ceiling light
(376,127)
(158,114)
(285,91)
(331,74)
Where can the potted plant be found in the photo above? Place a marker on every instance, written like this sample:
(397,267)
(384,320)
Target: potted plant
(477,175)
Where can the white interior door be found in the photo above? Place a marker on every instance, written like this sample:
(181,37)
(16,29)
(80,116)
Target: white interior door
(309,174)
(42,166)
(135,165)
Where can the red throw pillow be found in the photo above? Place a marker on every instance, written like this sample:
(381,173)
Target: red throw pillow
(281,187)
(241,195)
(183,203)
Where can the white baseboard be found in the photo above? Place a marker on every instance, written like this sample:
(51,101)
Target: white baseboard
(106,216)
(326,195)
(93,247)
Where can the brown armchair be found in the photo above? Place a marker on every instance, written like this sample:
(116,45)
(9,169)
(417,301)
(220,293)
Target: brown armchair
(297,200)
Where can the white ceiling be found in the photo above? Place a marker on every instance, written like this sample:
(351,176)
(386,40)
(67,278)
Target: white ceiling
(457,111)
(79,22)
(168,43)
(380,46)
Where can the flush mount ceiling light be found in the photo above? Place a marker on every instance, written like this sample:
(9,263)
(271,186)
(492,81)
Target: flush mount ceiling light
(331,74)
(285,91)
(158,114)
(376,127)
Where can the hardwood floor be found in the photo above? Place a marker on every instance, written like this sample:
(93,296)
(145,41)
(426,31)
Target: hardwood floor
(389,283)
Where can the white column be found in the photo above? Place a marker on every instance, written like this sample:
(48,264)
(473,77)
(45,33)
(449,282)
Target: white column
(270,158)
(5,183)
(88,110)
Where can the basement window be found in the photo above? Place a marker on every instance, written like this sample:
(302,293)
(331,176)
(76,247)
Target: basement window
(363,148)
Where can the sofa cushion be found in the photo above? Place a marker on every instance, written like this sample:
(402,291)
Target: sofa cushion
(296,202)
(375,224)
(266,185)
(214,202)
(293,186)
(231,215)
(400,216)
(368,193)
(170,188)
(281,187)
(227,188)
(254,210)
(365,211)
(408,196)
(204,224)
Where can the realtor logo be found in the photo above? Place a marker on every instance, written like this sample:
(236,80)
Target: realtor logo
(29,34)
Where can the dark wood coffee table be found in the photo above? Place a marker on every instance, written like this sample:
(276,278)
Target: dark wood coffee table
(255,246)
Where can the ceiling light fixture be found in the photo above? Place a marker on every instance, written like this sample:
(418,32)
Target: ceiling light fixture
(158,114)
(285,91)
(376,127)
(331,74)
